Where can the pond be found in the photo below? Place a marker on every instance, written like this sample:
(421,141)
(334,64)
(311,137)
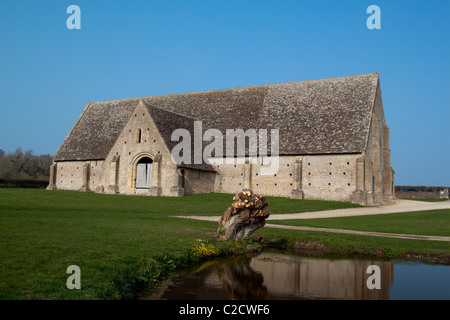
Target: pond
(275,276)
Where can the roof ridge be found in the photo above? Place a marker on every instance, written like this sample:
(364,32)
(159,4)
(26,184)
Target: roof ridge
(235,88)
(301,110)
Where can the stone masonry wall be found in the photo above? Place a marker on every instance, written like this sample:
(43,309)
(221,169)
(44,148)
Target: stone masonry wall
(128,150)
(324,177)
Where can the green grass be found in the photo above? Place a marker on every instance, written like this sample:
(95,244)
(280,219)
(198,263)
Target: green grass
(43,232)
(435,222)
(364,246)
(110,237)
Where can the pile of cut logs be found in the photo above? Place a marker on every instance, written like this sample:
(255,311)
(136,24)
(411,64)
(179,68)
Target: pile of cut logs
(247,213)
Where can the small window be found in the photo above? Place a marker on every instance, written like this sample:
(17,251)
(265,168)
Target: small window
(138,135)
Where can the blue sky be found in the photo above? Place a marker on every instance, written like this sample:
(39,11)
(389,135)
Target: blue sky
(125,49)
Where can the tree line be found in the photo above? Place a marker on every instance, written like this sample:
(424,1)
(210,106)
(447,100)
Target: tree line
(24,165)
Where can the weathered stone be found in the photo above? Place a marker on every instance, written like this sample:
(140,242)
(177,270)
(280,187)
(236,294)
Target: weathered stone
(334,143)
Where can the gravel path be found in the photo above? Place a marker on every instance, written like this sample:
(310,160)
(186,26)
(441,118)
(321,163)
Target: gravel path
(400,205)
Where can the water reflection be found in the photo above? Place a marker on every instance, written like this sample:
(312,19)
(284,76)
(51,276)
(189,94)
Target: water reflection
(280,276)
(277,276)
(294,277)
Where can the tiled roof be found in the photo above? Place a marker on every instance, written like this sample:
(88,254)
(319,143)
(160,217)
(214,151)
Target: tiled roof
(328,116)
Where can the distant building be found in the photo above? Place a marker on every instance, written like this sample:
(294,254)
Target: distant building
(333,143)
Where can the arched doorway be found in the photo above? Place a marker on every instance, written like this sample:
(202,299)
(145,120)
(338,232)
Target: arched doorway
(144,173)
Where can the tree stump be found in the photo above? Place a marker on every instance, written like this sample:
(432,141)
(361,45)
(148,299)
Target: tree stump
(247,213)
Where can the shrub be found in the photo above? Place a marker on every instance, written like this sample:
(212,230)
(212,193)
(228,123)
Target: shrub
(203,249)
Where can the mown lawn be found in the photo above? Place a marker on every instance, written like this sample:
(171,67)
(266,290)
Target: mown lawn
(110,236)
(434,222)
(43,232)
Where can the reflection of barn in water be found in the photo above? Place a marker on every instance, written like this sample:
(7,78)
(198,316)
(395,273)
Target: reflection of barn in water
(290,276)
(279,276)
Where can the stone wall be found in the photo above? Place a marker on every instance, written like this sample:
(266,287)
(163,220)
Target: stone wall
(425,192)
(139,139)
(419,195)
(197,181)
(76,175)
(320,177)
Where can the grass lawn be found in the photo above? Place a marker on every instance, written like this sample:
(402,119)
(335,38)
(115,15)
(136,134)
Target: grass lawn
(434,222)
(111,236)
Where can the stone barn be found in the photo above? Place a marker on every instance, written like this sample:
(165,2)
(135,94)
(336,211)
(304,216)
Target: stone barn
(332,143)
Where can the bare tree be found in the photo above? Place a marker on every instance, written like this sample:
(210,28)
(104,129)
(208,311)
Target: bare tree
(24,165)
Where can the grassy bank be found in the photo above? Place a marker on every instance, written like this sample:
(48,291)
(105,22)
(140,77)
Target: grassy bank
(120,242)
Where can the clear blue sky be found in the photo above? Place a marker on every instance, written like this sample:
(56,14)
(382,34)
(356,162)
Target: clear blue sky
(48,73)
